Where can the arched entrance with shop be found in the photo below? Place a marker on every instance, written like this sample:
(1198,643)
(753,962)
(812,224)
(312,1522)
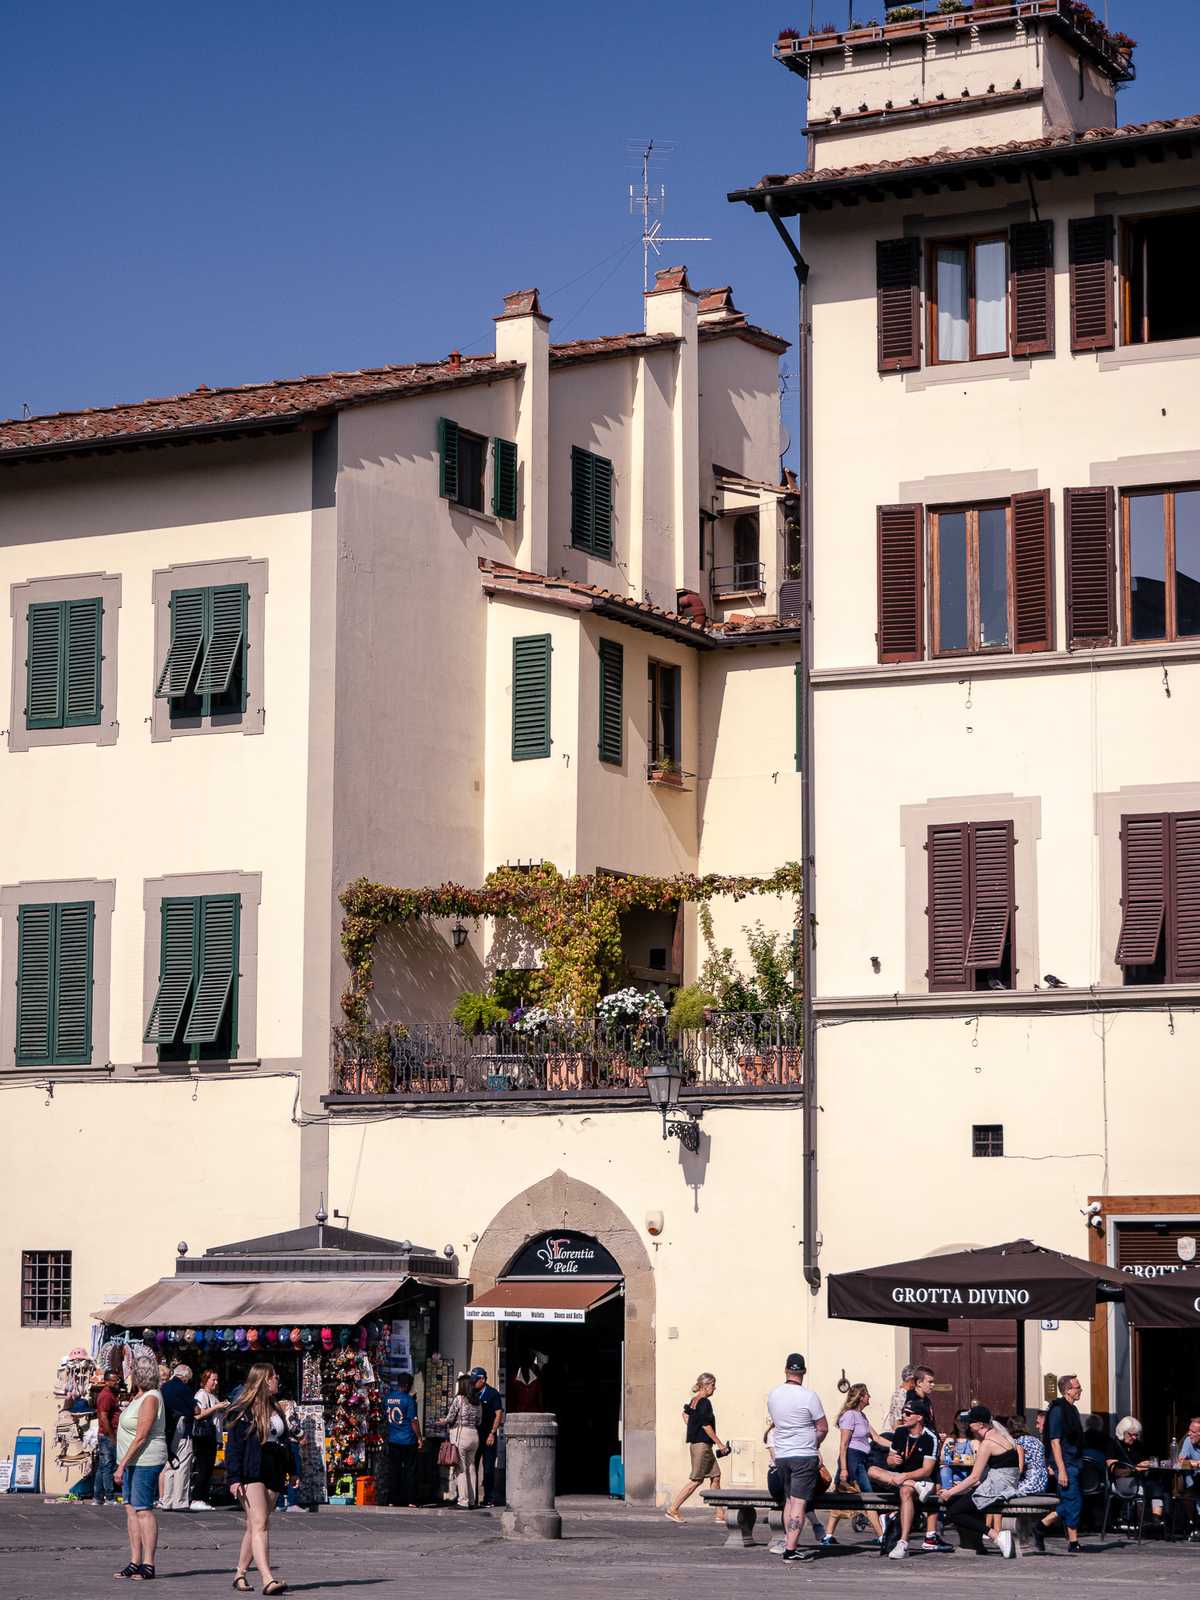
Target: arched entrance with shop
(561,1273)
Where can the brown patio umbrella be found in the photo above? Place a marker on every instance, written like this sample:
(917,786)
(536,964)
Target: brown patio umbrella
(1169,1301)
(1017,1280)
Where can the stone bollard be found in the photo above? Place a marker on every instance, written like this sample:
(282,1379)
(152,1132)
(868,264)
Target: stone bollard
(530,1450)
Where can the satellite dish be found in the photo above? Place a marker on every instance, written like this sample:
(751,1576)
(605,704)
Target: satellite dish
(785,440)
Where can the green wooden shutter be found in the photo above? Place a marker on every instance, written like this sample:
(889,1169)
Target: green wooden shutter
(612,710)
(219,916)
(581,497)
(72,994)
(176,970)
(531,697)
(187,641)
(81,675)
(225,635)
(504,478)
(35,962)
(602,477)
(44,667)
(448,452)
(799,717)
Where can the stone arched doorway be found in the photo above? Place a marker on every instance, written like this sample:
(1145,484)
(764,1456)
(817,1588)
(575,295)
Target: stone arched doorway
(561,1201)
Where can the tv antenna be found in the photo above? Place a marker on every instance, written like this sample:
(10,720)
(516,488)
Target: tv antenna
(651,199)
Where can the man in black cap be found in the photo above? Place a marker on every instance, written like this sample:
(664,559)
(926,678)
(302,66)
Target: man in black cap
(799,1424)
(910,1464)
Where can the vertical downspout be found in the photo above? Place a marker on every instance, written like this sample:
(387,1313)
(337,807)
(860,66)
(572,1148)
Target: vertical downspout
(812,1272)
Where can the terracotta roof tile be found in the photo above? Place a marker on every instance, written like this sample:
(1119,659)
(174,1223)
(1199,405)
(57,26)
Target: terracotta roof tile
(1064,141)
(609,344)
(205,408)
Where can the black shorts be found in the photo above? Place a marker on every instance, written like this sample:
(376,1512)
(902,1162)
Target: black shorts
(798,1475)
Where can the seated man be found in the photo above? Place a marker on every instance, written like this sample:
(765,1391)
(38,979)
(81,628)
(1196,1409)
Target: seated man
(910,1463)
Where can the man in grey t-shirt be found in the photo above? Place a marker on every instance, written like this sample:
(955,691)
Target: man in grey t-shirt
(799,1427)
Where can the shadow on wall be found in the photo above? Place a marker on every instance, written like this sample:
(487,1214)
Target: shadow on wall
(419,974)
(694,1165)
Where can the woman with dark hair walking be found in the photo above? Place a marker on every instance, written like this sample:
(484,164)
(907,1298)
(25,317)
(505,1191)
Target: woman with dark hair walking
(257,1462)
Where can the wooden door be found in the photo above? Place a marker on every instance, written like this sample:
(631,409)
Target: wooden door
(975,1363)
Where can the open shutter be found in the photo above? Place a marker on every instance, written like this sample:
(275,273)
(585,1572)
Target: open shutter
(218,965)
(43,666)
(35,945)
(73,983)
(504,478)
(1031,287)
(900,578)
(225,639)
(176,971)
(448,456)
(581,497)
(948,908)
(81,689)
(612,702)
(1032,588)
(1091,253)
(991,861)
(1091,565)
(898,303)
(187,641)
(1183,944)
(531,697)
(1143,889)
(602,480)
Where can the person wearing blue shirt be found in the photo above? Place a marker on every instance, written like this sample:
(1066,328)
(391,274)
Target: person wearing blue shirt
(492,1406)
(403,1441)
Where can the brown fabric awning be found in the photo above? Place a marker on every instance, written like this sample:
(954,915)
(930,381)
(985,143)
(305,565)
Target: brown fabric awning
(1171,1300)
(274,1302)
(553,1300)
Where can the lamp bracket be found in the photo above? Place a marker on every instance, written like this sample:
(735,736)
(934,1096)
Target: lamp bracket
(686,1131)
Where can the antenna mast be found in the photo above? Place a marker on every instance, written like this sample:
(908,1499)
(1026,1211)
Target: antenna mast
(649,200)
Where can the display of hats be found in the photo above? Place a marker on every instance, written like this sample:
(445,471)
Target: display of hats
(327,1338)
(343,1337)
(252,1337)
(294,1338)
(272,1336)
(306,1337)
(239,1338)
(284,1335)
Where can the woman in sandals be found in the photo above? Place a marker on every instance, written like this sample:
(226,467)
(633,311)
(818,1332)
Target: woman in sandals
(257,1463)
(141,1456)
(703,1445)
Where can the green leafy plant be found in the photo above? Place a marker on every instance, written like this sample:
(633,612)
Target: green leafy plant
(689,1008)
(515,986)
(949,7)
(904,14)
(477,1013)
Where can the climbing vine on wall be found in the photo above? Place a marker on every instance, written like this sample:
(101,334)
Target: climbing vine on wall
(576,920)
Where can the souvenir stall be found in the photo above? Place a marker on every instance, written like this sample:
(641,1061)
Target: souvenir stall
(337,1314)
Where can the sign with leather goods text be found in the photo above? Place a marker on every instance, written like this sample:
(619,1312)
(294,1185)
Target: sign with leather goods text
(563,1254)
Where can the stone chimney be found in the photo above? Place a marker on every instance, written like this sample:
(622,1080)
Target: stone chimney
(523,334)
(948,81)
(671,307)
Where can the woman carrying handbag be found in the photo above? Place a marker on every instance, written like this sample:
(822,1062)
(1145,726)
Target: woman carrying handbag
(463,1419)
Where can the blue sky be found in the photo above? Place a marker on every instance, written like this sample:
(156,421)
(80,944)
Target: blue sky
(229,192)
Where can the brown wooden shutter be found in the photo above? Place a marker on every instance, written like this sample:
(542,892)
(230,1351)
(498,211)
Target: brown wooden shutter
(1091,253)
(901,583)
(991,889)
(1031,287)
(1091,560)
(898,303)
(1143,889)
(1033,592)
(1184,899)
(949,906)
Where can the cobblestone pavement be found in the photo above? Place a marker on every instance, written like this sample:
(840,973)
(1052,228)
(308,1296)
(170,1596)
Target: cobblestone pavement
(69,1552)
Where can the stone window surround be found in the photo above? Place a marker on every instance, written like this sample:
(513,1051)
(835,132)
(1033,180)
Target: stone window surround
(205,575)
(38,591)
(1025,814)
(1110,807)
(103,893)
(247,885)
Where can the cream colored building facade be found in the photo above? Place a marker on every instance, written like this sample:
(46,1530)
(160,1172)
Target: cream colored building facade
(1003,421)
(351,713)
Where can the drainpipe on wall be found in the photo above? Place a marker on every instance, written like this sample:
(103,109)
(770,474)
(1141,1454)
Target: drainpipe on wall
(812,1272)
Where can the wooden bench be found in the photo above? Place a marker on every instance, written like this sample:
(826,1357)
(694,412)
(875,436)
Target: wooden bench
(742,1506)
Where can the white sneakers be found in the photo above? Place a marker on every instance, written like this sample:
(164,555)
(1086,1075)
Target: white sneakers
(199,1505)
(1006,1545)
(900,1552)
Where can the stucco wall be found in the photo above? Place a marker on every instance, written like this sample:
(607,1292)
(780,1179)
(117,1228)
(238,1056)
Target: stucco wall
(119,1174)
(592,406)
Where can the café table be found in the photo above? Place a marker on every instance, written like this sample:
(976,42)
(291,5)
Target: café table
(1171,1478)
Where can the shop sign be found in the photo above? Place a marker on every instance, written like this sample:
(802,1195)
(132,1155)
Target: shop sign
(938,1296)
(400,1347)
(523,1314)
(564,1255)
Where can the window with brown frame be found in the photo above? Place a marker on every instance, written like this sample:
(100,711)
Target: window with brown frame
(1160,539)
(968,299)
(971,580)
(1158,287)
(1159,940)
(971,907)
(45,1288)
